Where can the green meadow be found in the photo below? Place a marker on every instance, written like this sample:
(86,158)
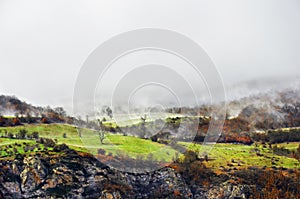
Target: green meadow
(219,155)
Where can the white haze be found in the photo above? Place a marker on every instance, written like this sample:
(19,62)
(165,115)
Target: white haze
(254,44)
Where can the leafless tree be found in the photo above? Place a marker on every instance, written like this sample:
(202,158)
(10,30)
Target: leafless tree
(100,131)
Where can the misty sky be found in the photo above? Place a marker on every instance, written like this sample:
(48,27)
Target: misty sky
(43,44)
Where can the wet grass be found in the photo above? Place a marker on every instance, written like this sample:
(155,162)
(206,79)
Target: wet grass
(220,155)
(243,156)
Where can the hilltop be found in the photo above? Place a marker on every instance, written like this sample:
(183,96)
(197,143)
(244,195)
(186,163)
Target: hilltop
(11,107)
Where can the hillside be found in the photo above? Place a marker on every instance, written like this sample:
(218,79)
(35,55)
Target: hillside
(60,172)
(11,107)
(269,110)
(54,159)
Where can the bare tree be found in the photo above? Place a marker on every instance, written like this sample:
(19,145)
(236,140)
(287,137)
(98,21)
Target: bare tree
(100,131)
(79,130)
(143,127)
(87,119)
(144,119)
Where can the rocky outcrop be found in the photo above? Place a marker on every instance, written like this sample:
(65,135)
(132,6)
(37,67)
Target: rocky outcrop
(71,175)
(68,174)
(230,191)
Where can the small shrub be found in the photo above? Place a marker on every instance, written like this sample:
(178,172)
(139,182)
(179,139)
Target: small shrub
(10,135)
(61,147)
(101,151)
(35,135)
(22,134)
(47,142)
(45,120)
(16,121)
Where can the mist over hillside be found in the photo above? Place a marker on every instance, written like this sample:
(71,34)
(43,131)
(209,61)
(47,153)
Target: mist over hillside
(272,107)
(265,94)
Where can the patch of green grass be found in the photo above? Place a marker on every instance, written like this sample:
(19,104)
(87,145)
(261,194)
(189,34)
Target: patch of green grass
(289,146)
(134,119)
(7,141)
(90,142)
(241,156)
(53,131)
(9,116)
(225,155)
(131,146)
(11,147)
(110,124)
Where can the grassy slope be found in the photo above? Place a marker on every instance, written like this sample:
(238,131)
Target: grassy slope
(19,145)
(90,141)
(242,156)
(223,154)
(135,119)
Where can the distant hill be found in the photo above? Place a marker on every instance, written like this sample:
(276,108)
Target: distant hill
(11,107)
(269,110)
